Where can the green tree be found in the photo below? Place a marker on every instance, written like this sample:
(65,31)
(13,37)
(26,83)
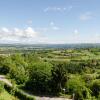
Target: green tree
(39,77)
(4,65)
(77,87)
(95,87)
(59,77)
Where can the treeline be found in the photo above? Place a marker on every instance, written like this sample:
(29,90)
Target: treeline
(80,80)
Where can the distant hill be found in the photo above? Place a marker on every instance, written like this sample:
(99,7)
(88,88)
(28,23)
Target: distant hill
(83,45)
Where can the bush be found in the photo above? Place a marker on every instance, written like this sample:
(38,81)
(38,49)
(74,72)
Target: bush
(95,88)
(18,74)
(4,65)
(77,86)
(59,78)
(74,68)
(19,93)
(4,69)
(39,78)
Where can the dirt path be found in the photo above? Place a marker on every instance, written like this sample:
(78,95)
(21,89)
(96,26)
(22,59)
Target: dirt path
(3,79)
(50,98)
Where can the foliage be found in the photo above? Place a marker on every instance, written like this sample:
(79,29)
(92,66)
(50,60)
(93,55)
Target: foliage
(4,66)
(19,93)
(95,87)
(74,68)
(18,74)
(77,87)
(59,77)
(18,69)
(39,77)
(59,71)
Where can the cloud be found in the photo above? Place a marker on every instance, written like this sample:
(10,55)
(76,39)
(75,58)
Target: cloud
(52,23)
(72,39)
(54,9)
(42,29)
(30,36)
(76,32)
(17,34)
(80,38)
(29,32)
(53,26)
(4,29)
(95,38)
(86,16)
(57,9)
(27,35)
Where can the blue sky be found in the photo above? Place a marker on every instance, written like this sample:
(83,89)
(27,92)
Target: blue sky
(49,21)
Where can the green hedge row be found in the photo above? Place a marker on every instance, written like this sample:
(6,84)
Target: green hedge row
(18,93)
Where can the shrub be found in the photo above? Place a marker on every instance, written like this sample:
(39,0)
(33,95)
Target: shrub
(18,74)
(19,93)
(4,69)
(39,77)
(77,86)
(95,87)
(59,77)
(74,68)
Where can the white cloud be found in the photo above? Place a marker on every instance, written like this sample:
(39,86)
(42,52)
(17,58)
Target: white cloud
(58,9)
(52,23)
(29,35)
(4,29)
(17,34)
(76,32)
(51,27)
(88,38)
(53,9)
(72,39)
(86,16)
(29,32)
(42,29)
(95,38)
(55,28)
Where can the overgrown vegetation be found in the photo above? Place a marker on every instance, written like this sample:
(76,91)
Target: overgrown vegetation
(74,72)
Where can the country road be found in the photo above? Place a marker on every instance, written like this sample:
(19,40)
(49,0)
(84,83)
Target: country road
(51,98)
(3,79)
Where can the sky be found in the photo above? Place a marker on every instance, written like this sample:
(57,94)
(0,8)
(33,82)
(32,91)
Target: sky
(49,21)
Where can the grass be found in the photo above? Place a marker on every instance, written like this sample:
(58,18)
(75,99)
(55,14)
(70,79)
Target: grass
(6,96)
